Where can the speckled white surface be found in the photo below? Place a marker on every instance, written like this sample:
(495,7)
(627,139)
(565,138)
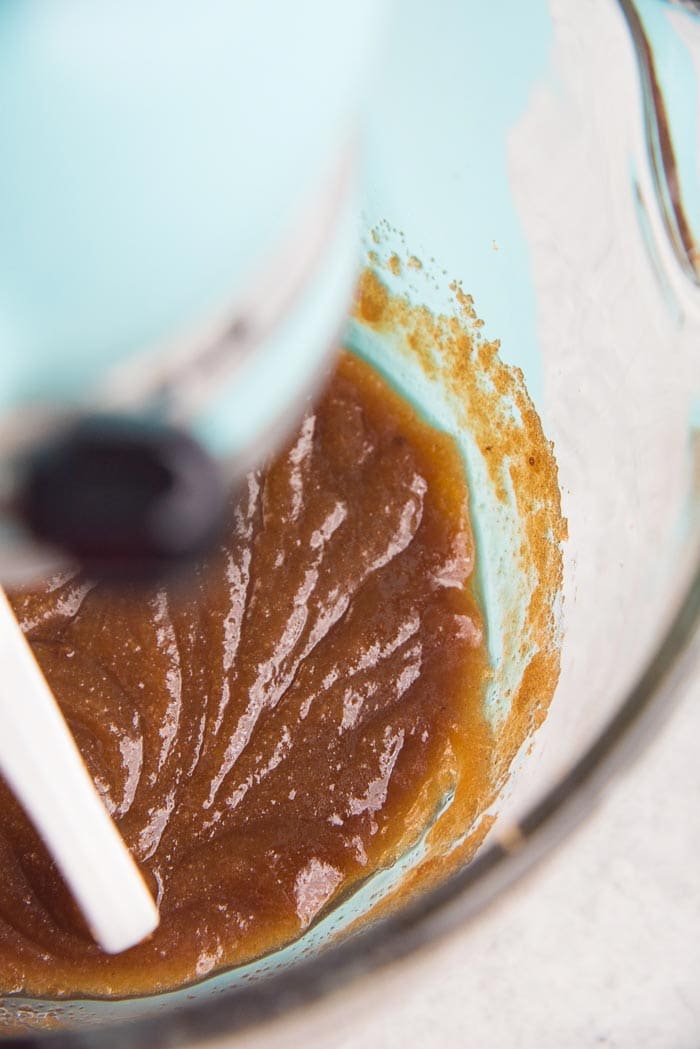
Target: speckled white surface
(599,947)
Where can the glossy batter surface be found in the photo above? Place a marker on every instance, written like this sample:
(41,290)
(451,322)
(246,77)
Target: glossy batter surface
(274,732)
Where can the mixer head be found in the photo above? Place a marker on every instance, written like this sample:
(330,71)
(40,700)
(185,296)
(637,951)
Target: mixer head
(178,253)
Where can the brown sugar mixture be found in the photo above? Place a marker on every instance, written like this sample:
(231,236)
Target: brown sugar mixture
(287,723)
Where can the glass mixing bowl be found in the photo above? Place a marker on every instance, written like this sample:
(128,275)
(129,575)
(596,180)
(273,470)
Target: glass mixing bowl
(546,156)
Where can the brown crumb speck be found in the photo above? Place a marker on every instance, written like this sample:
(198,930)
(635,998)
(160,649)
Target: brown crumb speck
(394,264)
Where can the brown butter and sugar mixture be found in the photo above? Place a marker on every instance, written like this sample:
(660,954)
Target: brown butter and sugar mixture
(285,724)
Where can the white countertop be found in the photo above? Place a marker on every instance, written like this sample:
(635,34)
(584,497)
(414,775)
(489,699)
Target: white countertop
(599,947)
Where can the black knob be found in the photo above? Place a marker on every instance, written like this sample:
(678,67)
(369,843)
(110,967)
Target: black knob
(123,495)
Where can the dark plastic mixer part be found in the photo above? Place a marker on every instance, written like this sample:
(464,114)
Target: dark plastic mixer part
(123,496)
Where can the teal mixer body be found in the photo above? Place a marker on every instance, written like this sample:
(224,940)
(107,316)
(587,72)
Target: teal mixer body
(178,210)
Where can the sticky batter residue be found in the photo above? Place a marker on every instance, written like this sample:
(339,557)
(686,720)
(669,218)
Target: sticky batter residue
(444,363)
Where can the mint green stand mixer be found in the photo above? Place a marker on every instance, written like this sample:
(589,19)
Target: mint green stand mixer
(179,246)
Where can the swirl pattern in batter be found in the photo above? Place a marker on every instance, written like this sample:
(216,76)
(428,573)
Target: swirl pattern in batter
(278,728)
